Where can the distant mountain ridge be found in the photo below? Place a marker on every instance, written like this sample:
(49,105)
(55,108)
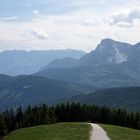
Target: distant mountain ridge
(111,64)
(66,62)
(107,52)
(22,62)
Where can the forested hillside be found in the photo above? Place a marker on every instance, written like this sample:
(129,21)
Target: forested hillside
(127,98)
(32,90)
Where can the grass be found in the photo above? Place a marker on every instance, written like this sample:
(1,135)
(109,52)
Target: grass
(60,131)
(121,133)
(71,131)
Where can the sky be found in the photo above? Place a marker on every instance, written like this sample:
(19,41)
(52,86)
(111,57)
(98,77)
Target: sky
(62,24)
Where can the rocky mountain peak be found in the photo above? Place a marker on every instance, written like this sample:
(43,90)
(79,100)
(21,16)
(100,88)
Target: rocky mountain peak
(113,51)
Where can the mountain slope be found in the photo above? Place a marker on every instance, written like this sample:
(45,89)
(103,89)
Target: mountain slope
(25,90)
(128,98)
(96,76)
(23,62)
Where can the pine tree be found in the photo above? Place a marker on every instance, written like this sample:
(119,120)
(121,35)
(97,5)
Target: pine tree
(19,118)
(3,127)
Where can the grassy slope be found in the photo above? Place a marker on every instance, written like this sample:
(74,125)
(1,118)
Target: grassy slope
(121,133)
(60,131)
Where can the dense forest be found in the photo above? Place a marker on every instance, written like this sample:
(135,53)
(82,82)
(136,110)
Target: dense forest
(70,112)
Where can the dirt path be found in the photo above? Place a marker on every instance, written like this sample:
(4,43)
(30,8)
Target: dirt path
(98,133)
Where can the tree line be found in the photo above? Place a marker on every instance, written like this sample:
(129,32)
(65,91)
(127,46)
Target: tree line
(71,112)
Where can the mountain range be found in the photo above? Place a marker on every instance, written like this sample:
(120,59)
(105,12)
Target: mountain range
(111,64)
(17,62)
(111,73)
(107,52)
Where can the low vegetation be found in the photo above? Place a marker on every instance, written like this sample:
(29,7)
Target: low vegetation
(60,131)
(121,133)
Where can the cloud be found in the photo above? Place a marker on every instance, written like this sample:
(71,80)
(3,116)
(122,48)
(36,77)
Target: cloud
(125,18)
(124,24)
(37,14)
(9,18)
(38,33)
(88,21)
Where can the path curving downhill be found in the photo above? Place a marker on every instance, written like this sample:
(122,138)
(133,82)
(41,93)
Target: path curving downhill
(98,133)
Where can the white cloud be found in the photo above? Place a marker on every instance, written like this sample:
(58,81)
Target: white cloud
(38,33)
(126,17)
(88,21)
(9,18)
(36,12)
(124,24)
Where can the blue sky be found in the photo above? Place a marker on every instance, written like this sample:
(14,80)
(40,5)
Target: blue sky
(61,24)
